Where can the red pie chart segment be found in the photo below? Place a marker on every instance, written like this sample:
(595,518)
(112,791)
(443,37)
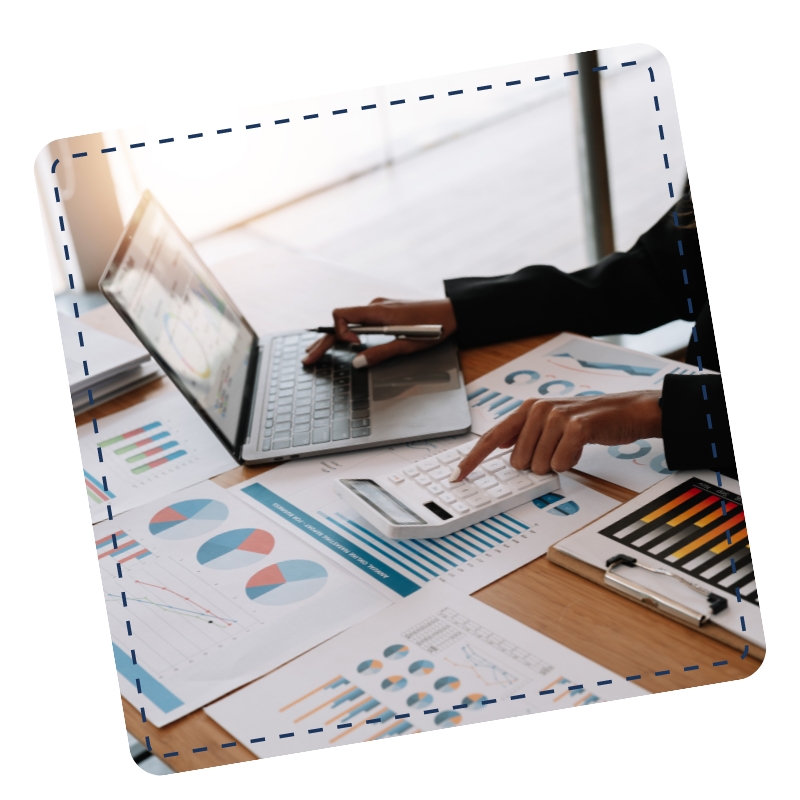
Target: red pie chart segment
(233,549)
(286,582)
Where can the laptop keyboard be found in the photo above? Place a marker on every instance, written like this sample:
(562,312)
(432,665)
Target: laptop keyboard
(327,402)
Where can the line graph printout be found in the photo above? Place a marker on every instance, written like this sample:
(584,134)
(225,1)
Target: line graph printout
(574,366)
(215,595)
(148,451)
(346,690)
(299,496)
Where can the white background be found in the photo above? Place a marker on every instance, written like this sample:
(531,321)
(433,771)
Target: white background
(80,67)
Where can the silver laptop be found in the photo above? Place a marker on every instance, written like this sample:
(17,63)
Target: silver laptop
(254,393)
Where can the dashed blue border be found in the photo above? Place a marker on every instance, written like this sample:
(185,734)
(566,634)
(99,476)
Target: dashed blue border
(338,112)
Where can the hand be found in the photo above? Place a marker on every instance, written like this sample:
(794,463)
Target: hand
(549,434)
(386,312)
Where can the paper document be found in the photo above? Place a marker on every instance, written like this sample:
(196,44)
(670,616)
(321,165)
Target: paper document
(574,366)
(300,496)
(434,660)
(93,356)
(691,527)
(146,452)
(205,594)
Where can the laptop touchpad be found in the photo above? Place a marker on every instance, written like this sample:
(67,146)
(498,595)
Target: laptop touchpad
(408,376)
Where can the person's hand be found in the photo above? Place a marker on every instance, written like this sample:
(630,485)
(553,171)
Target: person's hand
(386,312)
(549,434)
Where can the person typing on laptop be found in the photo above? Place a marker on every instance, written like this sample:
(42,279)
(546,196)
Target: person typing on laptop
(660,279)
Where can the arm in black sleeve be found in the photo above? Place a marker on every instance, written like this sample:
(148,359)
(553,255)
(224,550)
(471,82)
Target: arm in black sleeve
(625,293)
(694,424)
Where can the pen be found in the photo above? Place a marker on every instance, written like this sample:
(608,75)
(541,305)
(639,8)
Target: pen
(400,331)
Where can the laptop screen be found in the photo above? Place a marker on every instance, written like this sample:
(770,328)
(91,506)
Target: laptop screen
(182,315)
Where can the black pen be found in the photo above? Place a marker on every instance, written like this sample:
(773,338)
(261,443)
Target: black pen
(399,331)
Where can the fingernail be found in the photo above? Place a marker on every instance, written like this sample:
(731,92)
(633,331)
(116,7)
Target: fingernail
(360,361)
(455,475)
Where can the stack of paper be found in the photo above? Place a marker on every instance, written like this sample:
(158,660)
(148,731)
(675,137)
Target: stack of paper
(103,364)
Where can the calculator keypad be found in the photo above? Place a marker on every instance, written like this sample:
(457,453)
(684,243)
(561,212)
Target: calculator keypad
(494,479)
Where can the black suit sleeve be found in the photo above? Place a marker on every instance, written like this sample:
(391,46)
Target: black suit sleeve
(628,292)
(694,424)
(660,279)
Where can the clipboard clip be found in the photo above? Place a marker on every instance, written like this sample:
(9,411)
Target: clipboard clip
(658,601)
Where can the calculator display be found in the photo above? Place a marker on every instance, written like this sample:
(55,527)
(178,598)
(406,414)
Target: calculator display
(382,501)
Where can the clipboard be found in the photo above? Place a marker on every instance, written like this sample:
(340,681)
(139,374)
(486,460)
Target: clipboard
(652,550)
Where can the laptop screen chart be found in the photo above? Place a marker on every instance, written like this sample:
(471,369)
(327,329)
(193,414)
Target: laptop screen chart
(698,529)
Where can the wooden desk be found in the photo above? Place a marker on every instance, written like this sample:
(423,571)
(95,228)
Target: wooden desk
(593,621)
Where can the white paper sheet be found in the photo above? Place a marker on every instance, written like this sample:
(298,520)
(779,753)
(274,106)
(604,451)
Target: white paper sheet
(426,653)
(574,366)
(148,451)
(105,355)
(215,596)
(680,525)
(300,496)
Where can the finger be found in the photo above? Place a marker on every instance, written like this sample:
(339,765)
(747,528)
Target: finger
(487,443)
(569,450)
(399,347)
(319,348)
(553,431)
(529,435)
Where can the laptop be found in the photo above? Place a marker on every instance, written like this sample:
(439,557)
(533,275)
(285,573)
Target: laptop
(253,392)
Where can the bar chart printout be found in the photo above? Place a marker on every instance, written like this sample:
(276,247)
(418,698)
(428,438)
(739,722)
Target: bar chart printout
(434,660)
(146,452)
(696,528)
(299,496)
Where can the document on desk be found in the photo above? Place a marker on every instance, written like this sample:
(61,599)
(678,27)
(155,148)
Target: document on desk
(574,366)
(204,594)
(299,496)
(695,530)
(146,452)
(434,660)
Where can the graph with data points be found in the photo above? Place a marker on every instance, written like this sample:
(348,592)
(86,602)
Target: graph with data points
(331,696)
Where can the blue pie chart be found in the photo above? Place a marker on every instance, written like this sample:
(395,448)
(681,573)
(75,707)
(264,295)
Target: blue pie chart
(286,582)
(420,700)
(234,549)
(188,518)
(447,719)
(447,684)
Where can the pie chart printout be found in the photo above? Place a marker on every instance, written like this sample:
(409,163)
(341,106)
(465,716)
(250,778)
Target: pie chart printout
(370,667)
(425,667)
(394,683)
(233,549)
(447,684)
(395,651)
(286,582)
(420,700)
(447,719)
(188,518)
(474,700)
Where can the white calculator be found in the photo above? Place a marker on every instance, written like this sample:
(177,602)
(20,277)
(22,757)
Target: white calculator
(419,502)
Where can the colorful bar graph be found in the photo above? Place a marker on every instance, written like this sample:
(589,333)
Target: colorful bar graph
(120,547)
(696,528)
(158,462)
(129,434)
(149,440)
(152,451)
(95,489)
